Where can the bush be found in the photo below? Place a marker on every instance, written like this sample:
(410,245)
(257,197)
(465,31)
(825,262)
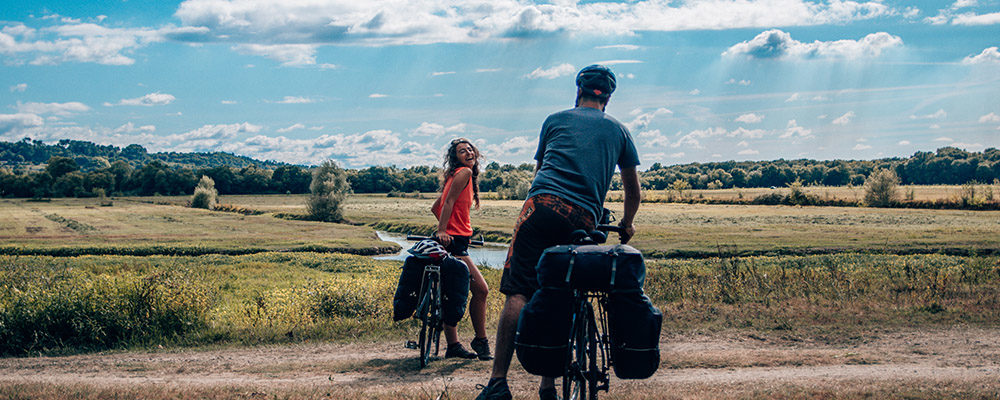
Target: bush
(328,190)
(204,194)
(881,188)
(42,311)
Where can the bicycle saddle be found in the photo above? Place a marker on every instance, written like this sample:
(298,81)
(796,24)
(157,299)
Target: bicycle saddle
(582,237)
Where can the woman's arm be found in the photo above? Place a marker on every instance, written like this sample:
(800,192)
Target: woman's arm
(458,184)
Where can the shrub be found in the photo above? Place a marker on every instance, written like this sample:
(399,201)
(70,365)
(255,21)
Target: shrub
(42,311)
(328,190)
(881,188)
(204,194)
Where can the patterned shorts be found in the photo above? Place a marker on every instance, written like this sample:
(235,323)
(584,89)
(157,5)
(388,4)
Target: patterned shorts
(545,221)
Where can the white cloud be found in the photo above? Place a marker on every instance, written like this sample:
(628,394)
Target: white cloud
(794,97)
(988,118)
(552,73)
(963,3)
(970,19)
(149,100)
(291,128)
(288,55)
(939,114)
(904,143)
(130,128)
(377,96)
(60,109)
(228,102)
(627,47)
(969,146)
(296,100)
(80,42)
(743,143)
(944,139)
(742,82)
(794,130)
(436,130)
(859,147)
(19,88)
(653,139)
(748,152)
(643,119)
(14,123)
(482,70)
(844,119)
(617,62)
(750,118)
(677,155)
(442,73)
(694,92)
(776,44)
(988,56)
(513,147)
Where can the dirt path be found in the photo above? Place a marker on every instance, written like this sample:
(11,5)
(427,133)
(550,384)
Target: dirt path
(957,362)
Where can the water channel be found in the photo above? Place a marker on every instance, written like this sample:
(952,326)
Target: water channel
(491,255)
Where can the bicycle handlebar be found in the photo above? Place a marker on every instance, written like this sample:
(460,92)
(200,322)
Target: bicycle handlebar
(611,228)
(418,238)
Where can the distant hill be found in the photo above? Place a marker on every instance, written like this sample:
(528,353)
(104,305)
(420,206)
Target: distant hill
(91,156)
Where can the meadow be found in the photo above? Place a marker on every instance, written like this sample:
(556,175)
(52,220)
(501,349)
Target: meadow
(148,273)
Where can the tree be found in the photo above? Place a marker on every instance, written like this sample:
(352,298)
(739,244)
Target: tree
(328,189)
(204,194)
(881,188)
(59,166)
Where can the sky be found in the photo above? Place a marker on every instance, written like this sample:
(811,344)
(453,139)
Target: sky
(392,82)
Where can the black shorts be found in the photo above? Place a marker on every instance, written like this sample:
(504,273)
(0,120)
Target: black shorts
(459,246)
(545,221)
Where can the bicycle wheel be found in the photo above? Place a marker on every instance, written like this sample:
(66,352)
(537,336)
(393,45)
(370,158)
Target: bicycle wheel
(426,328)
(575,381)
(592,373)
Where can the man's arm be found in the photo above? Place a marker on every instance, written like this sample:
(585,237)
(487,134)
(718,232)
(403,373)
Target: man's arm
(633,196)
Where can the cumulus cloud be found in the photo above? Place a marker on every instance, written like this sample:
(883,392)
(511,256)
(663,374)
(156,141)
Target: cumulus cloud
(989,56)
(291,128)
(432,129)
(844,119)
(627,47)
(748,152)
(130,128)
(777,44)
(859,147)
(149,100)
(73,41)
(441,73)
(793,130)
(14,123)
(286,54)
(641,119)
(904,143)
(988,118)
(653,139)
(552,73)
(517,146)
(694,92)
(295,100)
(377,96)
(19,88)
(750,118)
(944,139)
(939,114)
(970,19)
(60,109)
(484,70)
(741,82)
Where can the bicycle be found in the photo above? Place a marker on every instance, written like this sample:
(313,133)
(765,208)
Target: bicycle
(588,354)
(429,310)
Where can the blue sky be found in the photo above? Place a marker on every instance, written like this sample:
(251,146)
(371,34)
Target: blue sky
(391,82)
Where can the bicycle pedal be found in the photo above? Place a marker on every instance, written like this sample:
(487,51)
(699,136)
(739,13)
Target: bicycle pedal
(410,344)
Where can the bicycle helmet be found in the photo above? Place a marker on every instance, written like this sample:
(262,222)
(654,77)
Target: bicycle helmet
(428,249)
(596,80)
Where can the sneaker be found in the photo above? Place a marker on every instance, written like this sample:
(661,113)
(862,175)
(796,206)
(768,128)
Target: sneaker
(548,394)
(456,350)
(482,348)
(496,389)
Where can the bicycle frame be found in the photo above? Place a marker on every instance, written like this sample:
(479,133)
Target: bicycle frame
(585,375)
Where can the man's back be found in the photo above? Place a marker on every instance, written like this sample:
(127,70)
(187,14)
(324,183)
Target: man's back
(578,151)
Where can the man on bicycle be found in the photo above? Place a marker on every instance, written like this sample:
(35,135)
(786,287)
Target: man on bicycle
(576,158)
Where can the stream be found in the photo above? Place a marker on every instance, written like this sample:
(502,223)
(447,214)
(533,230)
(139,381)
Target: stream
(491,255)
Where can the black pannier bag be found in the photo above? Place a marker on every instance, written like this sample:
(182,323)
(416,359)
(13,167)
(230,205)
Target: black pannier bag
(454,289)
(404,302)
(635,334)
(592,267)
(542,337)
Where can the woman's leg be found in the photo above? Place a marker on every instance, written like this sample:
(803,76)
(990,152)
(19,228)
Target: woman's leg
(477,305)
(450,334)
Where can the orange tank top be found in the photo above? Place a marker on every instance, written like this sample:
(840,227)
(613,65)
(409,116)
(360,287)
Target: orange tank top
(459,224)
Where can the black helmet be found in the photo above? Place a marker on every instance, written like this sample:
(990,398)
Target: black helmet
(596,80)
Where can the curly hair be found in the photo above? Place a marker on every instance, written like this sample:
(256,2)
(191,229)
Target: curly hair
(452,164)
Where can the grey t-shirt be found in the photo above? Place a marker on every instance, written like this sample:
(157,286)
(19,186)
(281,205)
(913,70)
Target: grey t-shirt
(579,149)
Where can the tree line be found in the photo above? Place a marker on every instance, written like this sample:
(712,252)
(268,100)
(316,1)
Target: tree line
(82,169)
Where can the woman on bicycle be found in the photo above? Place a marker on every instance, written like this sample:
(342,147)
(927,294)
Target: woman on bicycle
(460,191)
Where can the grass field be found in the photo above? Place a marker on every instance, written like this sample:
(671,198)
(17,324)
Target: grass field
(147,272)
(849,193)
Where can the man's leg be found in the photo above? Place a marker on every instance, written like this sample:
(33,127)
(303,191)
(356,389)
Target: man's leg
(506,329)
